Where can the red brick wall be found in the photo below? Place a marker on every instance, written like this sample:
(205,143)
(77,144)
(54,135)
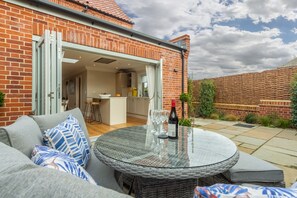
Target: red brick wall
(251,88)
(19,24)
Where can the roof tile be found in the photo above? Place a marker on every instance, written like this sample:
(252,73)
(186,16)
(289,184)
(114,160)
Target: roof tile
(107,6)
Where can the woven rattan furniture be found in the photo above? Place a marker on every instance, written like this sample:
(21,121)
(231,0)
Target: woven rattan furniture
(165,167)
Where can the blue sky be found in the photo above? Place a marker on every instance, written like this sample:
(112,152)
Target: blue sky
(227,36)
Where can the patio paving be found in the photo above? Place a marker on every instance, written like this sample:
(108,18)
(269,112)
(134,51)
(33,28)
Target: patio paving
(275,145)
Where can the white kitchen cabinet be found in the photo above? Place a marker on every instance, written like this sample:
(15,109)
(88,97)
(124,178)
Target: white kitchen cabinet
(137,107)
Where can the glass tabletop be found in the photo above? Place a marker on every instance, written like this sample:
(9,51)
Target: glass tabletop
(138,146)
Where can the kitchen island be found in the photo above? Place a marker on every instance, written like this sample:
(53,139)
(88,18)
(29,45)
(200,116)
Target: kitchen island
(113,110)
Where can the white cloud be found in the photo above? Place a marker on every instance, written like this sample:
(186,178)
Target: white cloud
(218,50)
(294,30)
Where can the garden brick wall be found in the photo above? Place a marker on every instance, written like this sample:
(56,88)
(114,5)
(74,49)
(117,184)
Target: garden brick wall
(18,24)
(262,93)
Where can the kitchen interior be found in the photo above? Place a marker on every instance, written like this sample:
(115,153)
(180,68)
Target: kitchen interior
(119,85)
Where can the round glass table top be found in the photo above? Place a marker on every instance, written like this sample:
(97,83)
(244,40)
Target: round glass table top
(138,146)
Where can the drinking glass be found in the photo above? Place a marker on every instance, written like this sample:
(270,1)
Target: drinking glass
(163,117)
(153,117)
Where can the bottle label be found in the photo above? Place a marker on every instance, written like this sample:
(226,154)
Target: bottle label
(171,130)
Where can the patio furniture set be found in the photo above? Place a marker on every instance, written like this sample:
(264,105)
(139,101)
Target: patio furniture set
(149,166)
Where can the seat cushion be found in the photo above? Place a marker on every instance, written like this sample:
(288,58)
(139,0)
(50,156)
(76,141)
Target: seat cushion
(50,158)
(68,137)
(49,121)
(228,190)
(23,134)
(250,169)
(102,174)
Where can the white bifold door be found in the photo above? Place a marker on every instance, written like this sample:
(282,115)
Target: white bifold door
(47,73)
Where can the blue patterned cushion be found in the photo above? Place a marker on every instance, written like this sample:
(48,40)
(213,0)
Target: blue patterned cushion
(50,158)
(68,138)
(228,190)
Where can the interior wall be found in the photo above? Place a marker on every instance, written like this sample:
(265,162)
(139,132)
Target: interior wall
(100,82)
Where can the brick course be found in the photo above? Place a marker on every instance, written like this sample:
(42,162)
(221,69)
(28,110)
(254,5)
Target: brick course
(18,24)
(269,90)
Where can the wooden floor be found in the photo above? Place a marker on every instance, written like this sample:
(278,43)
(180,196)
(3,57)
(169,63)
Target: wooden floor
(97,129)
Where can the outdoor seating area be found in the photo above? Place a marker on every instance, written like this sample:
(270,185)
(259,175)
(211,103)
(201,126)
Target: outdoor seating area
(140,169)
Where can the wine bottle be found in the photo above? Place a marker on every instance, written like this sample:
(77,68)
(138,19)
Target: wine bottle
(173,122)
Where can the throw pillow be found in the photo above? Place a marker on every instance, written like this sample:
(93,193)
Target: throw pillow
(50,158)
(229,190)
(69,138)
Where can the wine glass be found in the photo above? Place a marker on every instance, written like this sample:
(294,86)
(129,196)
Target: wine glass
(152,114)
(163,117)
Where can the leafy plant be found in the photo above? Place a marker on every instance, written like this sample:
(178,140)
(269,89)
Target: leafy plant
(190,101)
(294,100)
(230,117)
(265,120)
(251,118)
(214,116)
(184,97)
(206,98)
(2,95)
(185,122)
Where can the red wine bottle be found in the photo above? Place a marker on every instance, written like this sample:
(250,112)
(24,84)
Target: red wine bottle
(173,122)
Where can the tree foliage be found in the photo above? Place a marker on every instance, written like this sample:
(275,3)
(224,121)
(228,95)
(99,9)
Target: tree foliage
(206,98)
(2,95)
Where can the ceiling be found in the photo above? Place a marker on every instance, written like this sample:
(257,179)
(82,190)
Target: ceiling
(86,61)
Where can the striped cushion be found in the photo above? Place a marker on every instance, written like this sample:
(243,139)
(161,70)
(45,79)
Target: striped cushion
(68,138)
(50,158)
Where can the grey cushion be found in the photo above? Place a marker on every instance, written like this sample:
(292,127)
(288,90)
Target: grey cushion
(250,169)
(23,134)
(4,137)
(49,121)
(102,174)
(21,178)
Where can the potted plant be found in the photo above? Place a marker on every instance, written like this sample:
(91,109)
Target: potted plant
(2,95)
(184,97)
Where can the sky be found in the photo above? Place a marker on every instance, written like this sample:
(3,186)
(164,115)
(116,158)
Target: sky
(228,37)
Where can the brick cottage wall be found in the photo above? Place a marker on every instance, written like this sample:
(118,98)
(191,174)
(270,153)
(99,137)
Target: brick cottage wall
(18,24)
(250,93)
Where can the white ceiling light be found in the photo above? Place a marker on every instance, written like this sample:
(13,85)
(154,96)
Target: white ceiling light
(69,60)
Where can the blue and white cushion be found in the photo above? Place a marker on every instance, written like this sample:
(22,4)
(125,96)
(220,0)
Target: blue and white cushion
(228,190)
(69,138)
(50,158)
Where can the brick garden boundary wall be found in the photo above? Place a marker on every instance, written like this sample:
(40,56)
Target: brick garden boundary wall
(261,93)
(19,24)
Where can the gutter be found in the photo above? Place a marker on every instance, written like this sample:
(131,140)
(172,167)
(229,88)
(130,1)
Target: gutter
(111,26)
(183,80)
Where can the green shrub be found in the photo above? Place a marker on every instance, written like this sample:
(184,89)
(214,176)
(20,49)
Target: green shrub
(214,116)
(184,97)
(2,95)
(191,109)
(230,117)
(206,98)
(286,123)
(251,118)
(185,122)
(264,120)
(294,100)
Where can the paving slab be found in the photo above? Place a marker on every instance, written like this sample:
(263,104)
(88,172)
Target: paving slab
(214,126)
(202,122)
(231,132)
(289,134)
(237,143)
(261,134)
(249,140)
(250,146)
(227,123)
(238,128)
(290,145)
(290,175)
(281,150)
(246,150)
(269,129)
(276,157)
